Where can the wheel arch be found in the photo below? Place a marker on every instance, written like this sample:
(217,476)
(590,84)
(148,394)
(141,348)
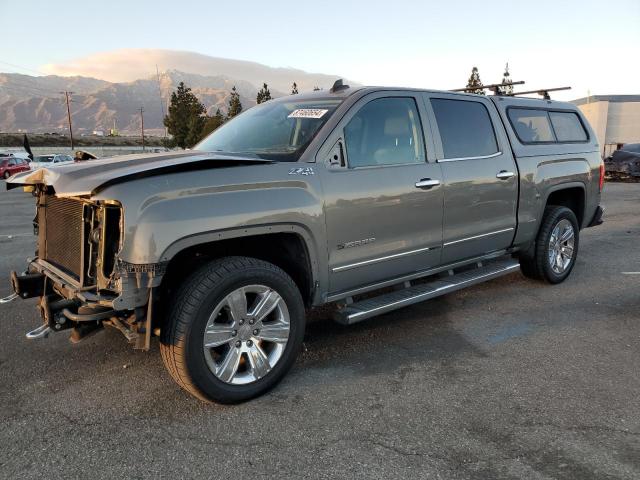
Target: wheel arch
(572,195)
(289,246)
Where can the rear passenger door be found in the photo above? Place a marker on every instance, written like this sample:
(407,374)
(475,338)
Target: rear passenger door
(480,176)
(383,204)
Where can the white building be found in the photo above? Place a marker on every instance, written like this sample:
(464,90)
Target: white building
(614,118)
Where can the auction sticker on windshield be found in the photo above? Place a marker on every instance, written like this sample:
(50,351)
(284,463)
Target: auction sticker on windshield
(308,113)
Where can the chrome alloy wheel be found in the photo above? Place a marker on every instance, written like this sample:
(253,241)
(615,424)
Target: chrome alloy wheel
(561,246)
(246,334)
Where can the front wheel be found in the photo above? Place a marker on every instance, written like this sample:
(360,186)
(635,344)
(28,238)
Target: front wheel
(235,330)
(556,246)
(6,175)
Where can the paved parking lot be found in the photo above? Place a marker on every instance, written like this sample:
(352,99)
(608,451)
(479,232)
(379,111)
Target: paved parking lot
(509,379)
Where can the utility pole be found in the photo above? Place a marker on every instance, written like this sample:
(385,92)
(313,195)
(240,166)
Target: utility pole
(66,94)
(142,126)
(161,101)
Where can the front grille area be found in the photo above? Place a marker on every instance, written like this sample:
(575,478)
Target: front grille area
(60,225)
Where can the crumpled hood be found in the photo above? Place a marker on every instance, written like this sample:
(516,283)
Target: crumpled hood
(87,177)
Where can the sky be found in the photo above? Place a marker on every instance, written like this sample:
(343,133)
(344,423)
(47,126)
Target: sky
(593,46)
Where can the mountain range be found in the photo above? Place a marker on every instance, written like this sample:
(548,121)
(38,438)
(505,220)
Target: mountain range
(36,103)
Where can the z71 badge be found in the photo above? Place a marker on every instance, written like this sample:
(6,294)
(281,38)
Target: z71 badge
(302,171)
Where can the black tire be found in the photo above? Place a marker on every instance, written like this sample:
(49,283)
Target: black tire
(536,263)
(182,334)
(6,175)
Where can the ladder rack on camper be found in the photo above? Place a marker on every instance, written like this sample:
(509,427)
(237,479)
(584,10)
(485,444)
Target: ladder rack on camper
(496,89)
(544,92)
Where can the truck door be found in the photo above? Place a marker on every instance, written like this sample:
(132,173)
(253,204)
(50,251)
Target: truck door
(480,176)
(383,198)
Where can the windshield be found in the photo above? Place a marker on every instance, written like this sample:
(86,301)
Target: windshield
(44,158)
(279,131)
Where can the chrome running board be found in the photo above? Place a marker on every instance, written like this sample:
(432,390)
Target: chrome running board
(8,299)
(42,331)
(371,307)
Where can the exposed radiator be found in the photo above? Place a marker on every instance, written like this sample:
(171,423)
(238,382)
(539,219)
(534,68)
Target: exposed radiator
(61,223)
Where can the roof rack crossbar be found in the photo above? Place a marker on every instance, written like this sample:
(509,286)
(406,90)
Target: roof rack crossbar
(544,92)
(495,87)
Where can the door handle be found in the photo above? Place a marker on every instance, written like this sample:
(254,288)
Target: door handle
(427,183)
(503,175)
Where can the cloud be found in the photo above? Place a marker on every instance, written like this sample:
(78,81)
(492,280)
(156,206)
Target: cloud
(127,65)
(131,64)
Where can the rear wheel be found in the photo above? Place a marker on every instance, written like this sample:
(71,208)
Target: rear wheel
(6,174)
(235,330)
(556,247)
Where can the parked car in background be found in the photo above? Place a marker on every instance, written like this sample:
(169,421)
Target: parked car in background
(17,154)
(11,165)
(625,161)
(51,160)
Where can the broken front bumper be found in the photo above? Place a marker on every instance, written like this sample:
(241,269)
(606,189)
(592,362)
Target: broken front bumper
(64,303)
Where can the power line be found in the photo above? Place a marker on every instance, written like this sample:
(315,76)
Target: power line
(23,68)
(25,85)
(33,91)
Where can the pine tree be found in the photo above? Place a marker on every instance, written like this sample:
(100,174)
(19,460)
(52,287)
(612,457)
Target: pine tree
(264,95)
(212,123)
(235,107)
(185,118)
(196,124)
(294,89)
(474,82)
(507,82)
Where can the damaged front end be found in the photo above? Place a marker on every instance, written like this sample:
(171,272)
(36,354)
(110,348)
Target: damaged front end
(77,274)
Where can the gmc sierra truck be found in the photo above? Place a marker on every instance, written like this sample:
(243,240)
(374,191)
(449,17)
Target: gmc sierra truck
(371,199)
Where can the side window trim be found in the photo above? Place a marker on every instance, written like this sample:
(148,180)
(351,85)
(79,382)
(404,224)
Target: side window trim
(479,157)
(553,130)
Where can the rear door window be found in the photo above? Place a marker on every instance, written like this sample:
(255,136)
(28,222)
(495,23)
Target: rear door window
(531,126)
(567,127)
(465,128)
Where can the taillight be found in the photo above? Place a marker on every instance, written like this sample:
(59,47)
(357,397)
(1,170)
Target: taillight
(601,175)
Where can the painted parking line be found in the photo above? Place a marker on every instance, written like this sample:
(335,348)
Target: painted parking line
(17,235)
(630,273)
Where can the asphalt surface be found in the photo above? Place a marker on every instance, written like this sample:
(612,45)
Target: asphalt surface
(509,379)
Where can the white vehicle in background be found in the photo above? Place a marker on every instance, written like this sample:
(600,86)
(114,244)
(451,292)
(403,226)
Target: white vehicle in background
(52,160)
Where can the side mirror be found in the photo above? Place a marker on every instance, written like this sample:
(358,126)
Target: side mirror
(336,155)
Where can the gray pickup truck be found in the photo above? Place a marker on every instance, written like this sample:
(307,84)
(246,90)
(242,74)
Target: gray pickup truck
(371,199)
